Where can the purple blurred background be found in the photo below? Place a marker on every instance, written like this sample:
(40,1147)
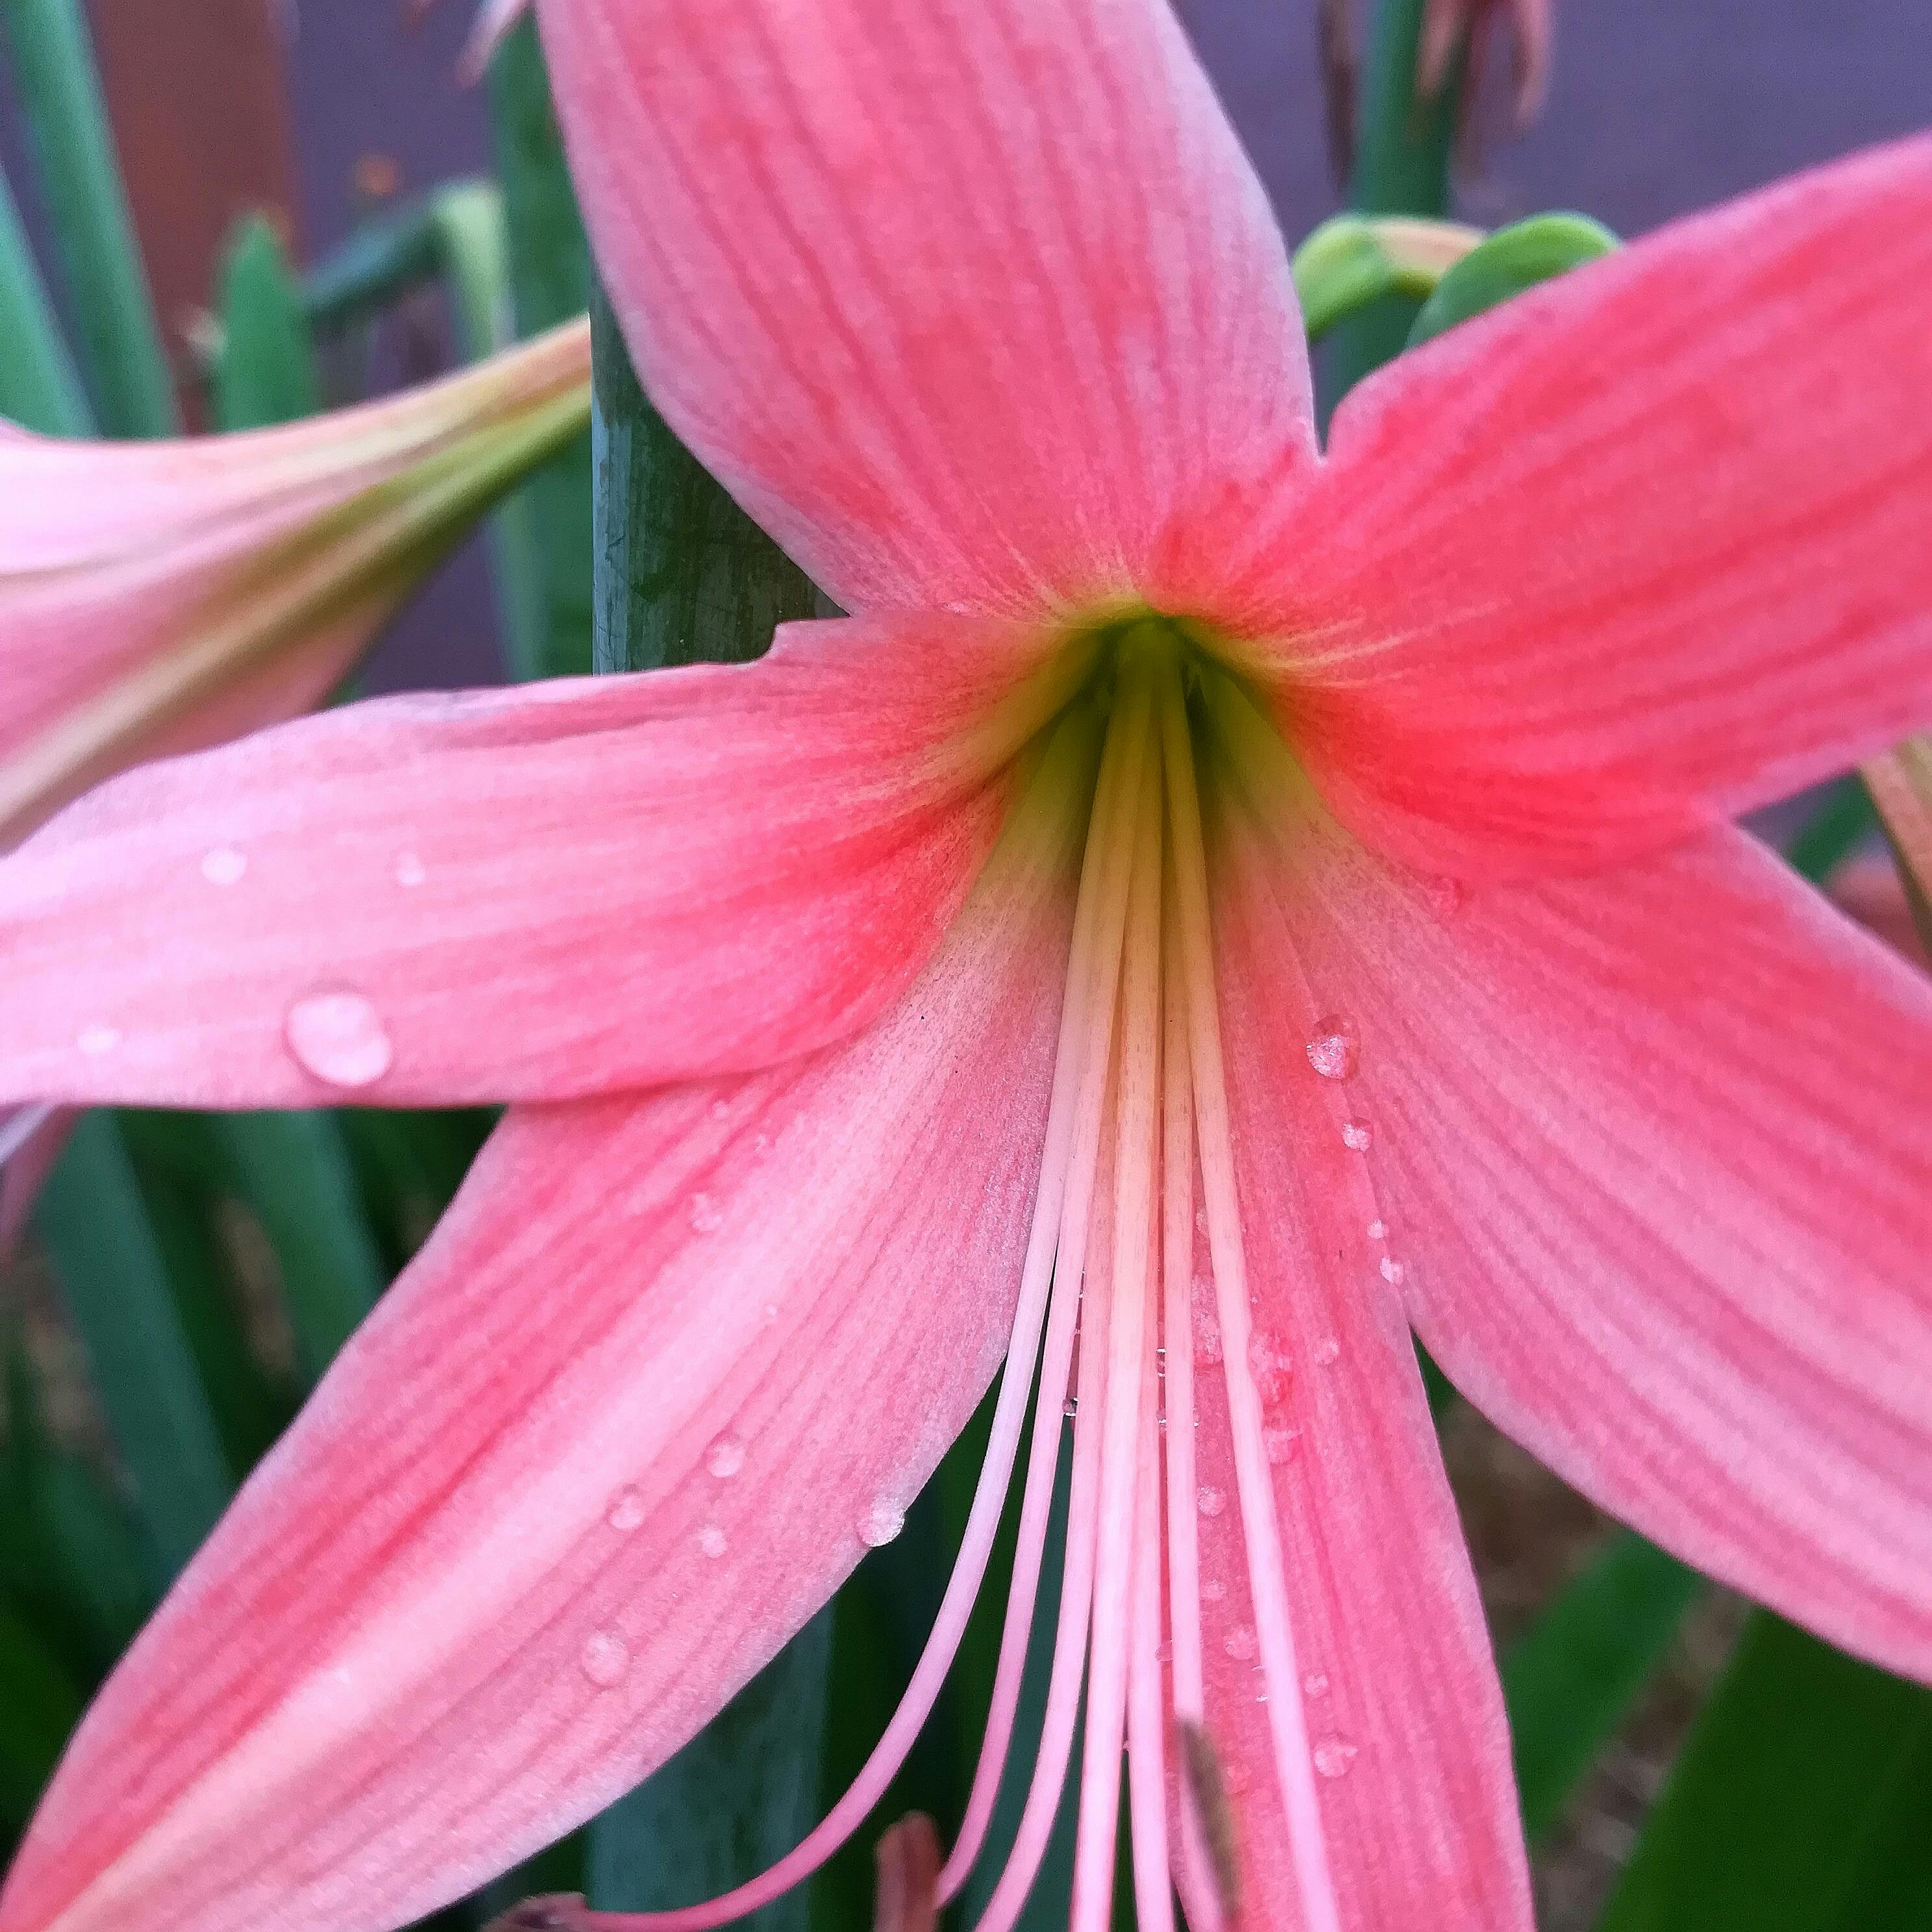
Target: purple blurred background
(1658,106)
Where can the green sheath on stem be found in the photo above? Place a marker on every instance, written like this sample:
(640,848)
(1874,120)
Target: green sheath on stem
(80,176)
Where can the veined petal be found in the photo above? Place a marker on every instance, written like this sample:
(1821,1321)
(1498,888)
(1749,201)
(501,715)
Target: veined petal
(1651,1152)
(158,597)
(567,890)
(663,1372)
(968,301)
(1638,551)
(1401,1711)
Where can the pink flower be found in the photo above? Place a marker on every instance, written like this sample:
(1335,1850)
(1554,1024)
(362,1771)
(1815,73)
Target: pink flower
(1287,897)
(156,597)
(1447,25)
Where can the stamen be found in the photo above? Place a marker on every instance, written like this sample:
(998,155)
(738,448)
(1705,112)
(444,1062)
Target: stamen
(1147,1766)
(1262,1531)
(1137,1127)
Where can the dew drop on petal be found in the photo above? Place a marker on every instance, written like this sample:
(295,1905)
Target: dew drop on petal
(625,1512)
(1315,1684)
(1212,1589)
(604,1658)
(1328,1353)
(726,1456)
(409,870)
(1212,1501)
(1445,895)
(1378,1230)
(1357,1134)
(1334,1052)
(706,1216)
(1070,1407)
(224,866)
(1239,1643)
(712,1541)
(1207,1339)
(879,1525)
(1280,1445)
(1333,1756)
(339,1037)
(95,1041)
(1273,1369)
(1393,1270)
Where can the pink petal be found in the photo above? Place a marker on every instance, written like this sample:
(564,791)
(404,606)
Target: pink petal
(152,594)
(663,1372)
(968,301)
(1651,1149)
(1640,550)
(569,890)
(1400,1708)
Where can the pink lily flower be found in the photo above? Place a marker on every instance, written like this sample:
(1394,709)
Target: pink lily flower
(158,597)
(1216,908)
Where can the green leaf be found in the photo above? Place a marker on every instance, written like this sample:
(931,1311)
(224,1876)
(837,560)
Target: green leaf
(738,1797)
(380,263)
(294,1172)
(107,1261)
(266,370)
(1802,1802)
(1570,1678)
(549,280)
(1844,819)
(40,1705)
(80,176)
(1511,260)
(40,388)
(683,575)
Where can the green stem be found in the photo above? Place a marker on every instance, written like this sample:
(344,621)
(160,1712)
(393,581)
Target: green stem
(67,118)
(40,388)
(1401,167)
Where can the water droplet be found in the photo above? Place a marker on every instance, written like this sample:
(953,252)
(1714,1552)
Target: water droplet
(1445,895)
(604,1658)
(1328,1353)
(1212,1589)
(1070,1407)
(409,870)
(726,1456)
(1212,1501)
(761,1143)
(1163,1652)
(224,866)
(1239,1643)
(1273,1369)
(1357,1134)
(1207,1339)
(712,1541)
(1378,1230)
(96,1040)
(1280,1445)
(1333,1756)
(720,1110)
(1315,1684)
(880,1525)
(1393,1270)
(1334,1052)
(339,1037)
(626,1509)
(705,1218)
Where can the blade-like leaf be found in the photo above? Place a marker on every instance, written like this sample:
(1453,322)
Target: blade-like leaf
(59,90)
(549,280)
(266,371)
(108,1263)
(1570,1678)
(40,1704)
(40,388)
(1801,1803)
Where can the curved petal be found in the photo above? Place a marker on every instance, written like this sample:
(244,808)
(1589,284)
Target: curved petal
(969,302)
(1401,1708)
(663,1373)
(567,890)
(1636,551)
(1652,1152)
